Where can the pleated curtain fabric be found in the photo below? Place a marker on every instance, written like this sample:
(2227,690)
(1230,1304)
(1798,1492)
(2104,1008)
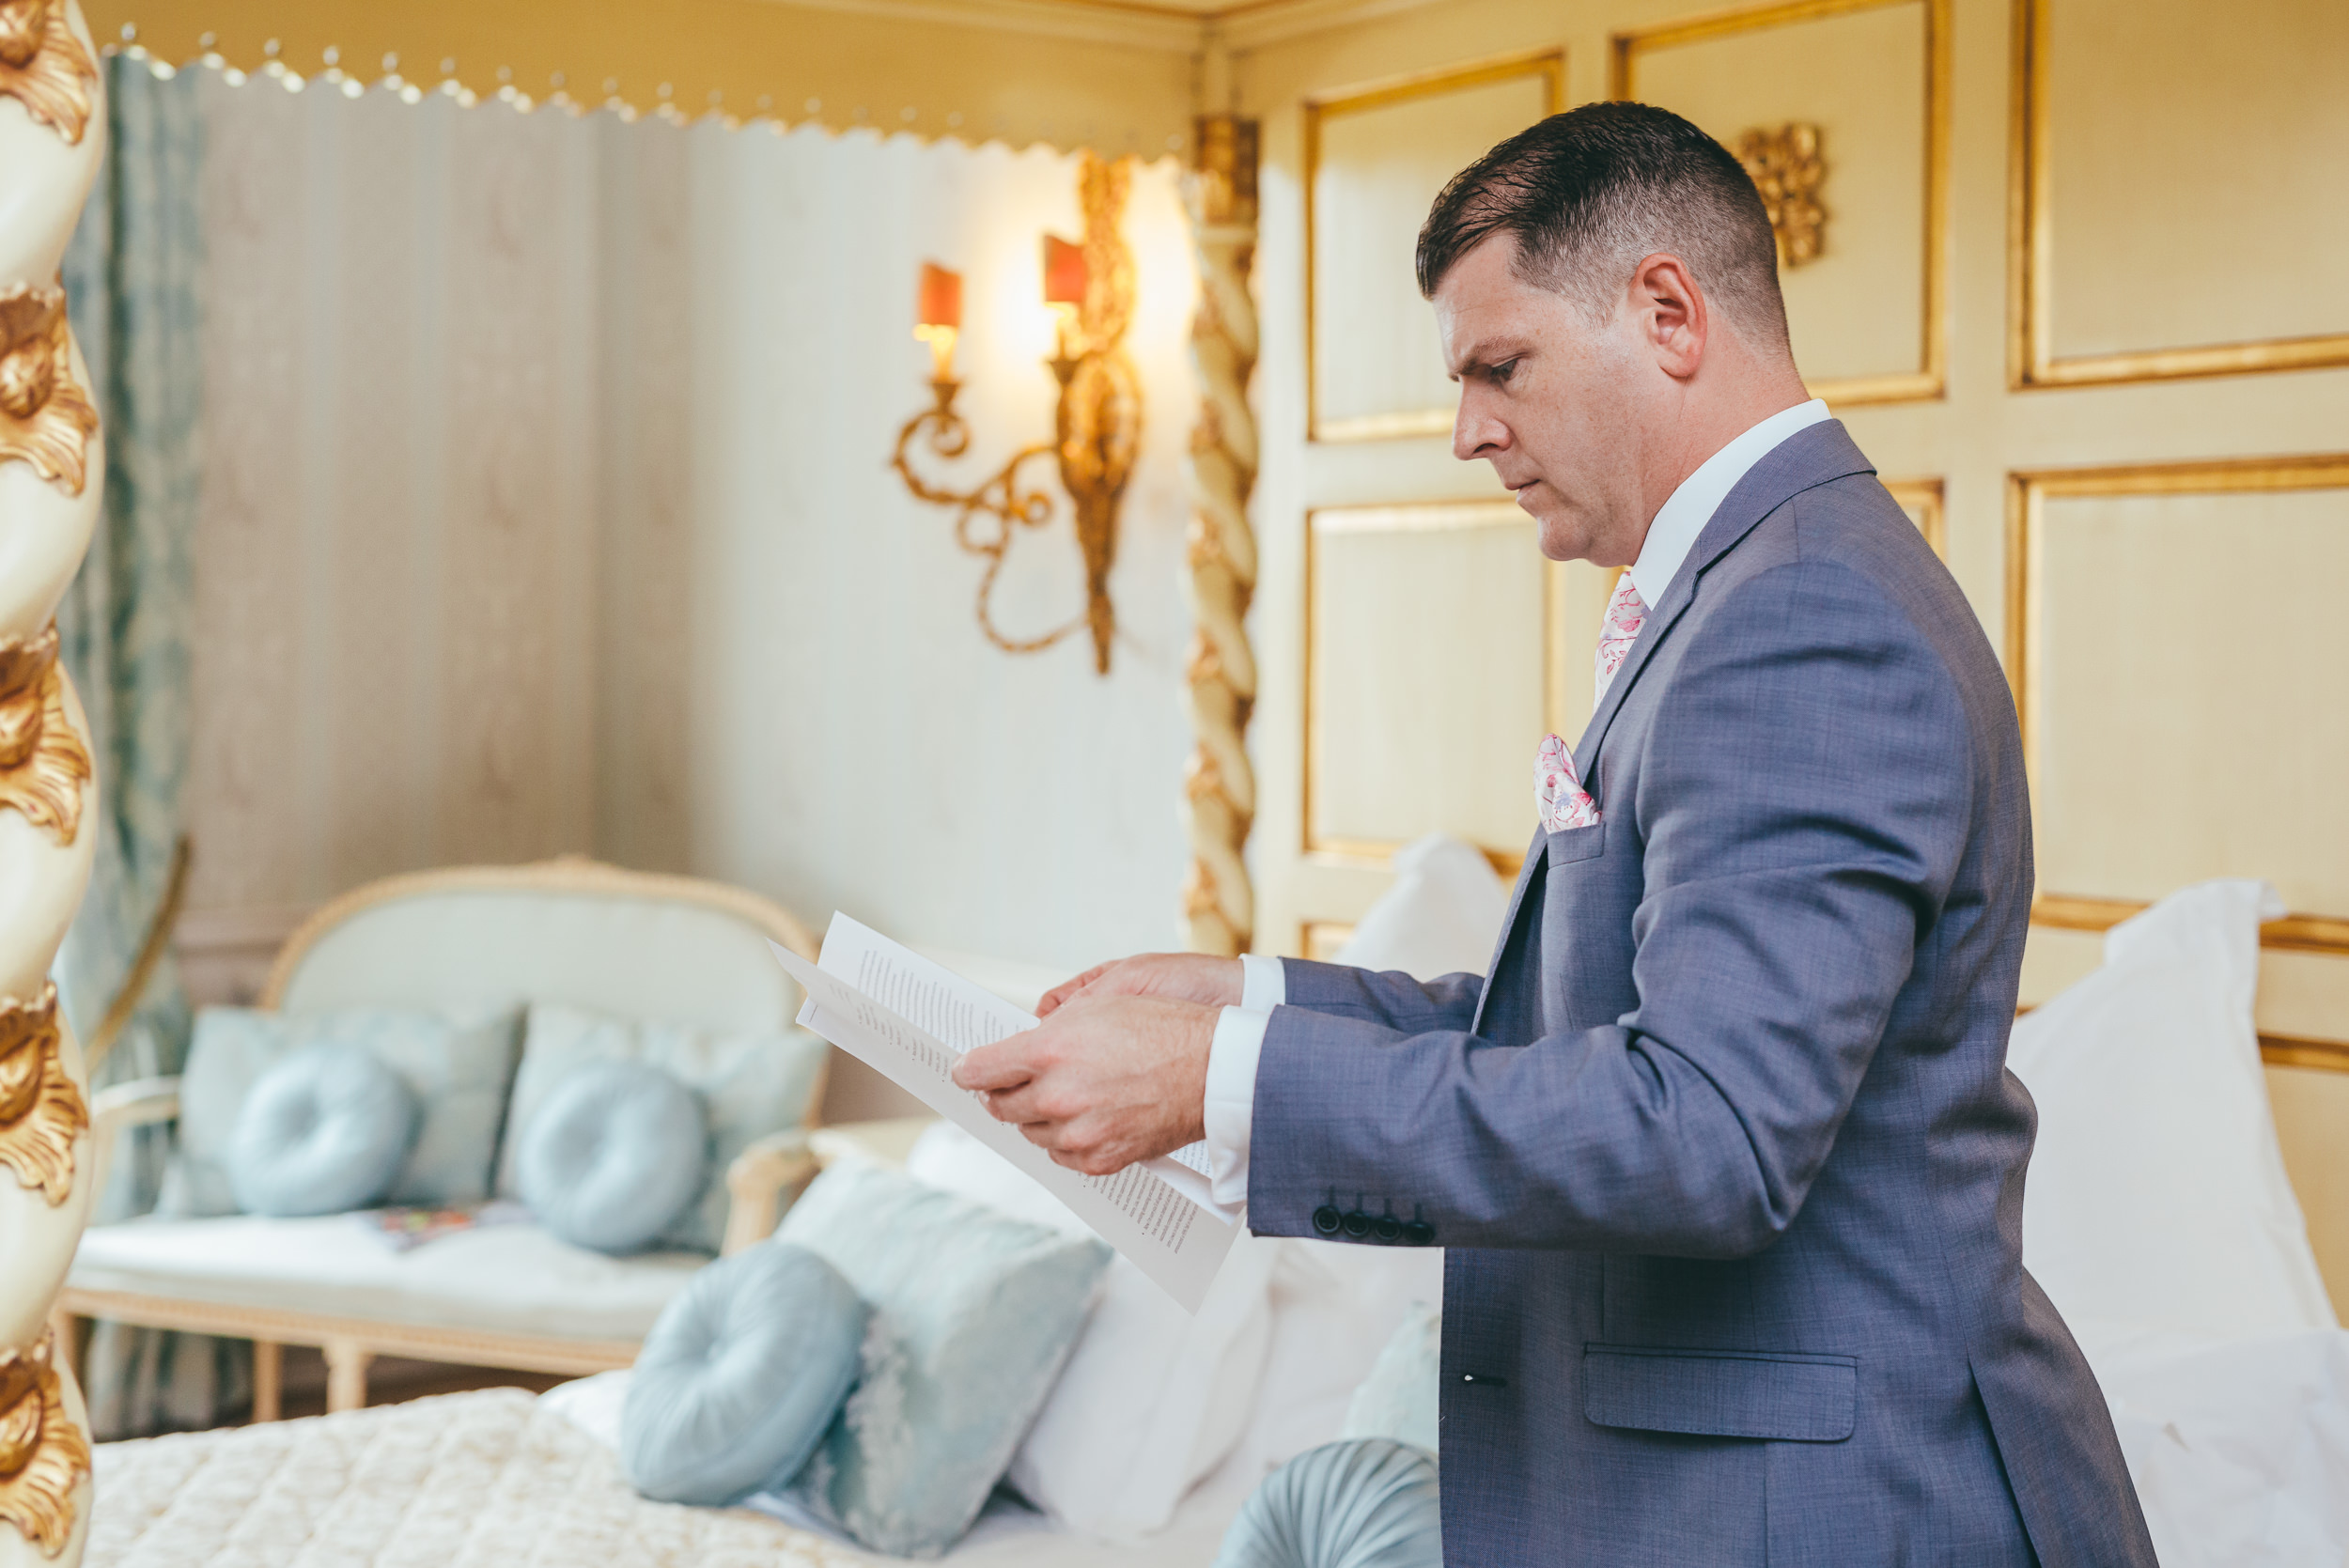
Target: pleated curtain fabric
(134,278)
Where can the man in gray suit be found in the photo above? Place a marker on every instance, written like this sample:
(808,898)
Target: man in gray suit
(1723,1147)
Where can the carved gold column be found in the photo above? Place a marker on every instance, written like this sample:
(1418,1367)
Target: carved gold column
(1220,786)
(52,472)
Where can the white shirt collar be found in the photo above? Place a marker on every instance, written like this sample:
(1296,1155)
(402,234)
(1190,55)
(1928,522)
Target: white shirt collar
(1683,516)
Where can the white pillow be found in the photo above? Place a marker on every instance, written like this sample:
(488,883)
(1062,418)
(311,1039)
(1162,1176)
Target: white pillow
(1152,1397)
(1441,916)
(2156,1193)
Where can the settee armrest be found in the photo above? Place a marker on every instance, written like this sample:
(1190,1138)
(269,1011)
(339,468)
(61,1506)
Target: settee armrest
(141,1102)
(756,1183)
(884,1144)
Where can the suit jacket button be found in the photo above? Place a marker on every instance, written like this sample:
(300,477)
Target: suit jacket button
(1419,1232)
(1388,1228)
(1357,1224)
(1327,1219)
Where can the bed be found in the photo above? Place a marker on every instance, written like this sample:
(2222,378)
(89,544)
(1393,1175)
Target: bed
(2230,1386)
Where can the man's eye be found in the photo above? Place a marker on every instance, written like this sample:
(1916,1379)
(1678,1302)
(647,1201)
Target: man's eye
(1502,372)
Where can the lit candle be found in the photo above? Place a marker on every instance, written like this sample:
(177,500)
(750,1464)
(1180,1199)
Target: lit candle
(938,316)
(1065,281)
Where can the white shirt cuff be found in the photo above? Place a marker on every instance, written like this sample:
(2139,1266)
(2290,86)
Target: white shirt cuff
(1231,1100)
(1264,986)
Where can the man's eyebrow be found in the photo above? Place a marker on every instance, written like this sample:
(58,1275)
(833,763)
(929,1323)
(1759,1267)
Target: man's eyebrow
(1484,356)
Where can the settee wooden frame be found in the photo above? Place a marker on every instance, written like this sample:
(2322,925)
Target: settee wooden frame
(755,1180)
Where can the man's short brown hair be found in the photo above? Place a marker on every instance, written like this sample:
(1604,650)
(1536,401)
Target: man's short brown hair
(1588,193)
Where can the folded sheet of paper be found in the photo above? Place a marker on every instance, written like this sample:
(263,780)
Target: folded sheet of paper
(909,1019)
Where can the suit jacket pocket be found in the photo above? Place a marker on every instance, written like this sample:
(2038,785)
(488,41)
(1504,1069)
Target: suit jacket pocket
(1577,844)
(1721,1393)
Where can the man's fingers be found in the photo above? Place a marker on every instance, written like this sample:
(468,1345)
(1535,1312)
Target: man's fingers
(1002,1065)
(1066,990)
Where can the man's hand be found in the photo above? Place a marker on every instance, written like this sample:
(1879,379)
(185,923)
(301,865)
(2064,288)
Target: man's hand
(1105,1081)
(1179,976)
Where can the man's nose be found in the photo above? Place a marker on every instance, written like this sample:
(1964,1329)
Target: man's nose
(1474,432)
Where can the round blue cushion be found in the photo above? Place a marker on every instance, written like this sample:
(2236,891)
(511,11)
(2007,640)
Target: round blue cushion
(322,1131)
(615,1153)
(738,1379)
(1368,1503)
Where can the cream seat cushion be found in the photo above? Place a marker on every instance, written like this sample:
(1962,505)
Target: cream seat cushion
(497,1279)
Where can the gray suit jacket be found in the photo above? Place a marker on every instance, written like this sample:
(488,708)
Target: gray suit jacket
(1725,1148)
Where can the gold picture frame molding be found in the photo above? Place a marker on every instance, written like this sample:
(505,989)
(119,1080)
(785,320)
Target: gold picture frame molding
(1929,380)
(1549,65)
(1418,517)
(2028,492)
(2032,360)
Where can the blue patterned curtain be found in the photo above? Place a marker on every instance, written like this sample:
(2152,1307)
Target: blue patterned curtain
(133,276)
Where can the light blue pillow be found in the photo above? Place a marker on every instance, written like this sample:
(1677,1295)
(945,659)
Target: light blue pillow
(1366,1502)
(740,1378)
(1400,1397)
(457,1068)
(323,1132)
(613,1155)
(752,1083)
(974,1315)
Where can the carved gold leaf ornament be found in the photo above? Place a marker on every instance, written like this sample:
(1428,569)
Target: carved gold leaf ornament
(44,67)
(43,762)
(45,418)
(41,1109)
(42,1454)
(1785,166)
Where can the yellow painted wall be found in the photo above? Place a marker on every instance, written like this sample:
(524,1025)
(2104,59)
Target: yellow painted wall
(758,57)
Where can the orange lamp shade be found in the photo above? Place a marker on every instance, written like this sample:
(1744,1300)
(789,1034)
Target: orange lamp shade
(1064,275)
(942,297)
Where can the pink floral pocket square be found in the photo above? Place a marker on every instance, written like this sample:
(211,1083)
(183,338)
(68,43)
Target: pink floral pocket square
(1558,795)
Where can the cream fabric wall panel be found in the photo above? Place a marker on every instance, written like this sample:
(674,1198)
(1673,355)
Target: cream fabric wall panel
(1427,686)
(2197,163)
(2172,641)
(1858,313)
(1380,158)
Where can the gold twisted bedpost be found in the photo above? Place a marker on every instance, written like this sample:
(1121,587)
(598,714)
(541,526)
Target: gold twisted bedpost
(52,473)
(1219,785)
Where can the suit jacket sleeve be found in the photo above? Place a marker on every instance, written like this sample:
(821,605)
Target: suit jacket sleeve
(1389,999)
(1802,801)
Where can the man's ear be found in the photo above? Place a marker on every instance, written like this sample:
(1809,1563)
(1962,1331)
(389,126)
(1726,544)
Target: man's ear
(1674,317)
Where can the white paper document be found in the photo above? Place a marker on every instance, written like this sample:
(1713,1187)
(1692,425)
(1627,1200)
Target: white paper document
(911,1018)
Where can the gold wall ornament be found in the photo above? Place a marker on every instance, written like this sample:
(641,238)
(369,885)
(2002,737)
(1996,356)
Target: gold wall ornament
(1097,427)
(42,1110)
(44,67)
(43,762)
(1220,676)
(1785,166)
(42,1454)
(45,418)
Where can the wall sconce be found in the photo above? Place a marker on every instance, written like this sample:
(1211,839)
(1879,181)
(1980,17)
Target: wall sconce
(1090,284)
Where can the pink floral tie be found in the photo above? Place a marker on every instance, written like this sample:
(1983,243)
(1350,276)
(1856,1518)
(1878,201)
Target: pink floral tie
(1626,614)
(1558,791)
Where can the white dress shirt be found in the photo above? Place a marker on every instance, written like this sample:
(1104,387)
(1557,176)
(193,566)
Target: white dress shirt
(1239,1031)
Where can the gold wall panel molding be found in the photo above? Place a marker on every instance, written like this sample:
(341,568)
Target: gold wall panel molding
(43,761)
(2032,360)
(42,1108)
(1220,676)
(44,67)
(1319,939)
(43,1454)
(46,417)
(1415,518)
(1785,166)
(1547,67)
(2028,494)
(1929,380)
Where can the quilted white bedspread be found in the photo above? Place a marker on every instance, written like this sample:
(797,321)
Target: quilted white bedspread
(480,1480)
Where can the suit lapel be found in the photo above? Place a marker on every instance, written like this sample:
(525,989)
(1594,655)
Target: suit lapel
(1535,854)
(1811,456)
